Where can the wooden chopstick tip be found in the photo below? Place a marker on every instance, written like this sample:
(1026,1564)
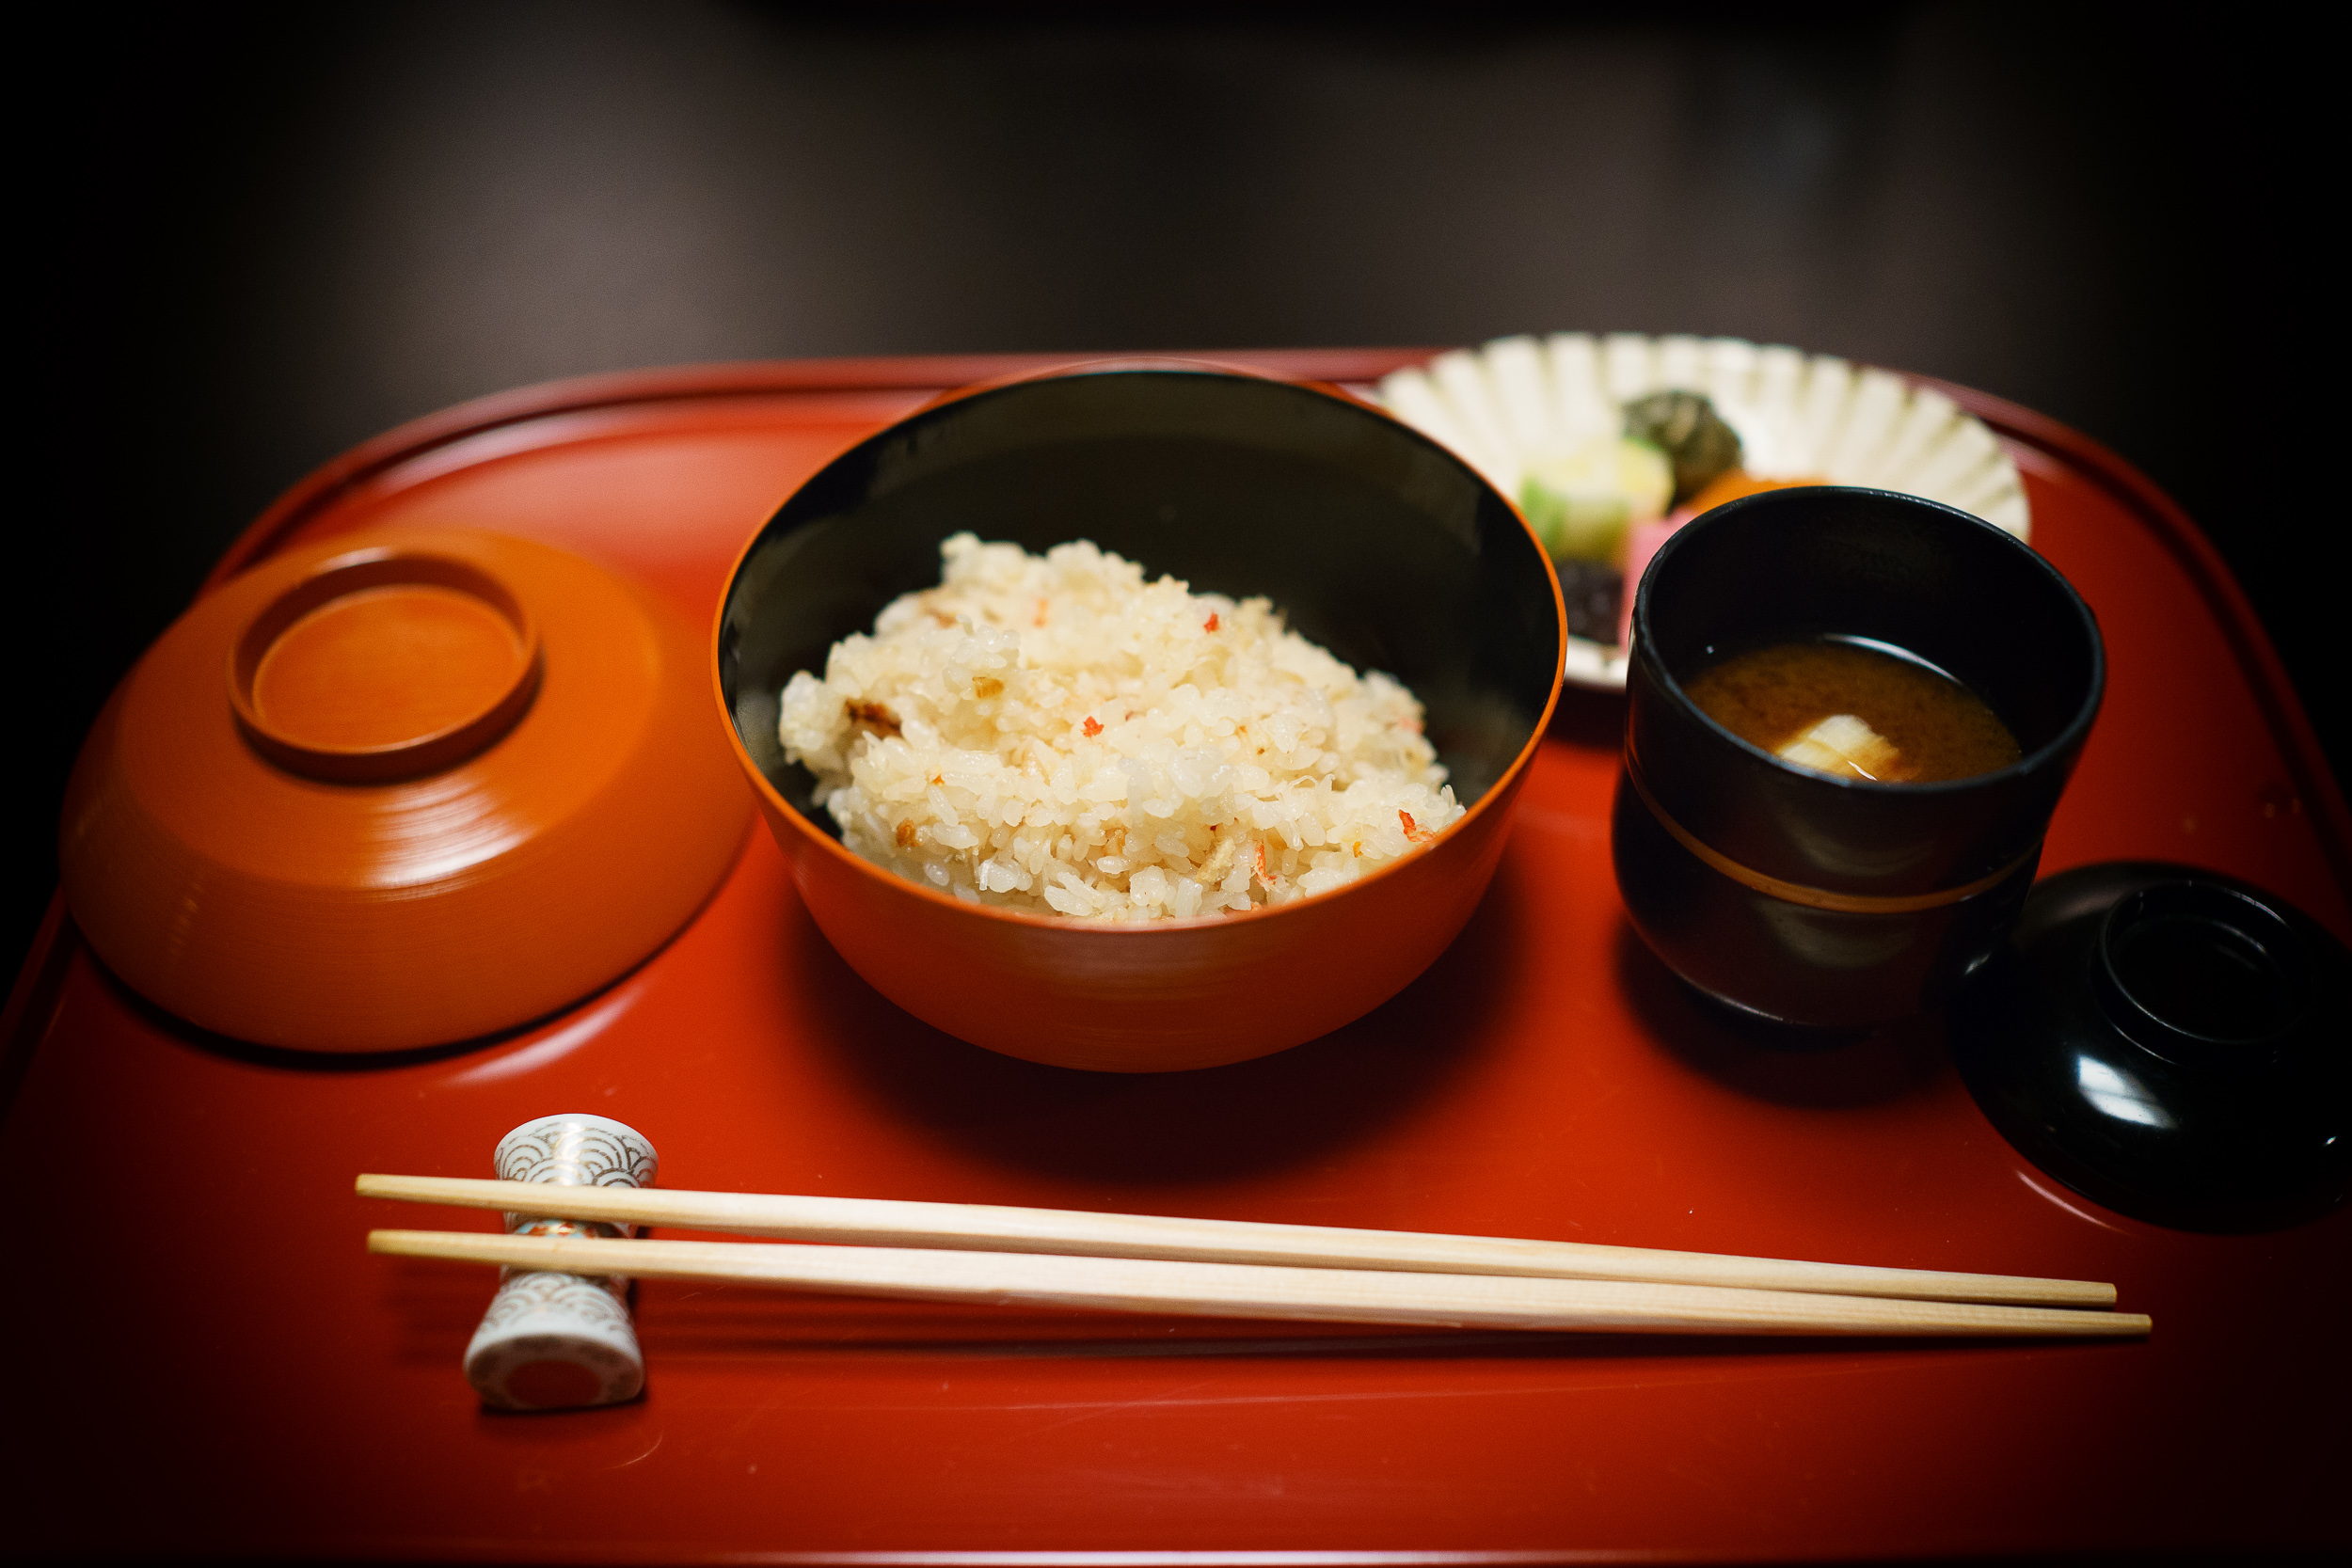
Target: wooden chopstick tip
(368,1183)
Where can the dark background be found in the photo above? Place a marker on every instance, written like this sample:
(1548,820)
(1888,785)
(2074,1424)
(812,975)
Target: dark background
(259,238)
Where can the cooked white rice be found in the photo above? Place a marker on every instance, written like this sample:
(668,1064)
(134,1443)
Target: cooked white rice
(1053,733)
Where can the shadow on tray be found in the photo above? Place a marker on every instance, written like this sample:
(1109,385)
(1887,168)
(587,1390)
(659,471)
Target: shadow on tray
(1588,719)
(1277,1111)
(1822,1072)
(705,1329)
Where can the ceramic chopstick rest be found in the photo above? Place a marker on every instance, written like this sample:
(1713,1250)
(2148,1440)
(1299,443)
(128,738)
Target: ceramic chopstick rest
(553,1341)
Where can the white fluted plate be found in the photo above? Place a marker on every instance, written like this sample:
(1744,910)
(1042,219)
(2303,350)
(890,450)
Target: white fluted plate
(1519,400)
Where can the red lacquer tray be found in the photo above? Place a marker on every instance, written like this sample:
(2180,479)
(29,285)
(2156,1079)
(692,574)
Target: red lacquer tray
(208,1363)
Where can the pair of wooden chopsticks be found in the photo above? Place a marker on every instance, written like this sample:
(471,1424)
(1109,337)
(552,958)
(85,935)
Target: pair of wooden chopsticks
(1240,1269)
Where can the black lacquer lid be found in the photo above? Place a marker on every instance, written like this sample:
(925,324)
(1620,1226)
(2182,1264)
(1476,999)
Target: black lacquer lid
(2170,1042)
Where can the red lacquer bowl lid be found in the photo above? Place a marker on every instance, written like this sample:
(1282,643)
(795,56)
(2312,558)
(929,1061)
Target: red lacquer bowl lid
(399,788)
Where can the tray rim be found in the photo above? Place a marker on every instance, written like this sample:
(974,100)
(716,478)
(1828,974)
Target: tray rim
(33,989)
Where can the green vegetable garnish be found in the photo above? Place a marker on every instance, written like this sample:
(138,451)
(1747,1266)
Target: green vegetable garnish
(1580,504)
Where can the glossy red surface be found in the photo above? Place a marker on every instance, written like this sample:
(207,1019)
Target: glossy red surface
(227,1371)
(250,880)
(383,667)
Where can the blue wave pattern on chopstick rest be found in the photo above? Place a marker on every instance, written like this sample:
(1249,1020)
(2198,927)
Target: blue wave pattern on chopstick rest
(557,1340)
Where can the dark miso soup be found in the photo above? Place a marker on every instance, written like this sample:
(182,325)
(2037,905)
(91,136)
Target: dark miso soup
(1852,711)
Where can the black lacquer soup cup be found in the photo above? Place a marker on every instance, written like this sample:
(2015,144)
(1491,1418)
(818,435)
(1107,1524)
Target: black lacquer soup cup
(1801,899)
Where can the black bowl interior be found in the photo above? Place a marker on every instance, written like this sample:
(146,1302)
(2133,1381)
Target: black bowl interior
(1373,539)
(1947,587)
